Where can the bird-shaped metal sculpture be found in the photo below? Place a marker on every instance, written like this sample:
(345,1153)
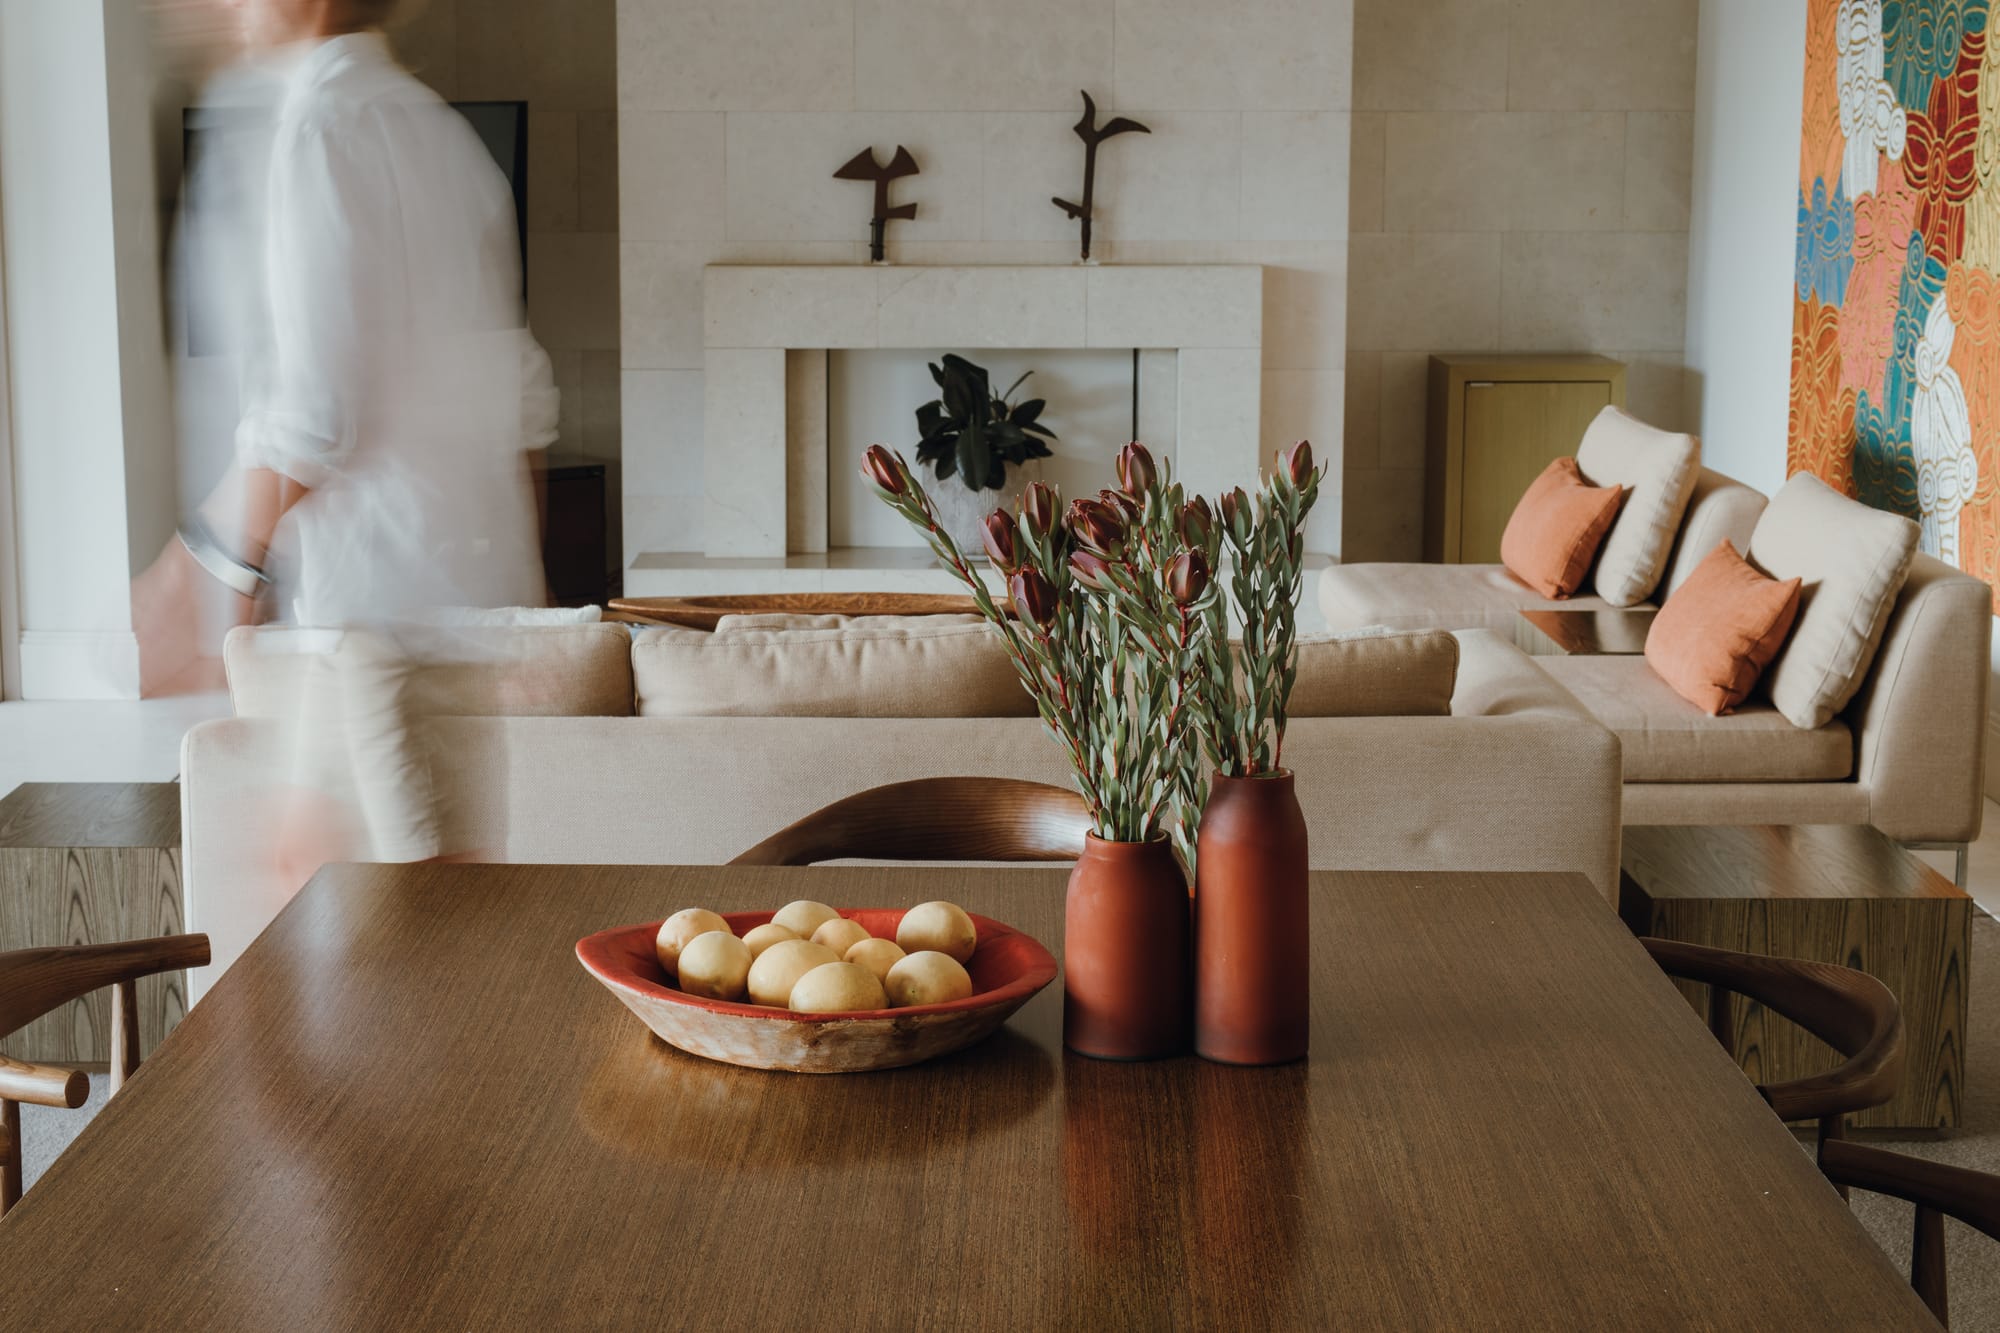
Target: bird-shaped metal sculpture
(863,167)
(1092,135)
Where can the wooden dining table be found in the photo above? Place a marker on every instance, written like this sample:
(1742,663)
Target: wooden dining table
(408,1106)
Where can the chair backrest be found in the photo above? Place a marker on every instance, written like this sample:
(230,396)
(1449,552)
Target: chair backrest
(935,819)
(1938,1191)
(34,982)
(1848,1010)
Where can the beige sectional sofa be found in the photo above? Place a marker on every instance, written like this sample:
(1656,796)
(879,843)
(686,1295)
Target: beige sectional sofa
(1905,755)
(1517,777)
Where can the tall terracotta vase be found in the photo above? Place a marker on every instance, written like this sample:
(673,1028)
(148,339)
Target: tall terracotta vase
(1126,952)
(1253,986)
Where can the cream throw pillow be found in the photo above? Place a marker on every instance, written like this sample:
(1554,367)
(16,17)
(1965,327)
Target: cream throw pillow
(905,670)
(1852,561)
(1658,468)
(1374,673)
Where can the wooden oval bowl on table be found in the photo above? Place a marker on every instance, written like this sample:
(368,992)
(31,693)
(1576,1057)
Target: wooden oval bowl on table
(1007,969)
(706,612)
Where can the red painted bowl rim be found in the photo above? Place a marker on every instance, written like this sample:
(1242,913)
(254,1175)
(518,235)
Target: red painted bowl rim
(606,955)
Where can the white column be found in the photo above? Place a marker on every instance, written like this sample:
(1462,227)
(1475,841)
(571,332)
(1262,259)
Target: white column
(90,414)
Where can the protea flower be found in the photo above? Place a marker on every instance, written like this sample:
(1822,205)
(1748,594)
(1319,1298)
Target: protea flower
(1187,577)
(1034,596)
(1124,506)
(1196,523)
(1297,462)
(1038,508)
(883,468)
(1090,569)
(1136,473)
(1097,527)
(1235,507)
(997,535)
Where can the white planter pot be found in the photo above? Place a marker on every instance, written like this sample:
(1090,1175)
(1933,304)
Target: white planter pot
(962,512)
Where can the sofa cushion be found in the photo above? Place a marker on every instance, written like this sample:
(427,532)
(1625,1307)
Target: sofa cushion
(577,670)
(1555,530)
(1354,597)
(1721,509)
(906,670)
(1851,561)
(1658,470)
(1720,629)
(1668,739)
(1395,673)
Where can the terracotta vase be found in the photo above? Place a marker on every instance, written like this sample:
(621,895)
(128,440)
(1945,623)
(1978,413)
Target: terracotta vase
(1125,952)
(1253,985)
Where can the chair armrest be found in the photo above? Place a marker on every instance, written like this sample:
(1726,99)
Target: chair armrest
(35,981)
(1972,1197)
(42,1085)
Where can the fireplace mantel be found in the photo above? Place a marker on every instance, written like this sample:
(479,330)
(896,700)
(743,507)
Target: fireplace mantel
(767,329)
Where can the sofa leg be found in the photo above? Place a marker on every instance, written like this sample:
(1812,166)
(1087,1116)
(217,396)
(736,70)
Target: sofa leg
(1961,854)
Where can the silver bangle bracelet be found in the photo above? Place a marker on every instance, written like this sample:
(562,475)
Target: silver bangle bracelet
(238,575)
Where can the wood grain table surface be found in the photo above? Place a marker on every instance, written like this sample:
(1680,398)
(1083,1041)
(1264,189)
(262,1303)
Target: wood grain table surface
(408,1106)
(1619,632)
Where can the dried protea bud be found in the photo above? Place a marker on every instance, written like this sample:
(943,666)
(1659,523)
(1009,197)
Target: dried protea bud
(1297,462)
(1187,577)
(1090,569)
(1124,506)
(1136,473)
(997,535)
(1094,524)
(883,468)
(1034,596)
(1038,508)
(1196,523)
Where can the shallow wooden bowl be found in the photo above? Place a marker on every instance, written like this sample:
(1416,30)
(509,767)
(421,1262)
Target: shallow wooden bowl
(707,612)
(1007,969)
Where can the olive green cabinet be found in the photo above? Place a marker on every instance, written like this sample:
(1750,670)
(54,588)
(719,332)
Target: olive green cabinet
(1494,423)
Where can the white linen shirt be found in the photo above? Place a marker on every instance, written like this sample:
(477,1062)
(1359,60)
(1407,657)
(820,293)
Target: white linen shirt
(389,367)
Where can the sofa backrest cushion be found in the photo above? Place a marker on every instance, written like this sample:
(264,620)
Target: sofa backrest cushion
(1658,469)
(1399,673)
(1556,529)
(1851,561)
(581,670)
(912,669)
(1721,509)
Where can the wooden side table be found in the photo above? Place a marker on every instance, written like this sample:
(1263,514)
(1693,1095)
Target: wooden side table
(1554,632)
(92,863)
(1830,893)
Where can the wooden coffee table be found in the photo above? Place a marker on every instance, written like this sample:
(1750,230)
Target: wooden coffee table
(1832,893)
(407,1105)
(1573,633)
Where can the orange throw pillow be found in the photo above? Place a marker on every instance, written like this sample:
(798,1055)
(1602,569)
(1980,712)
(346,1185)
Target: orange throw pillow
(1720,629)
(1557,527)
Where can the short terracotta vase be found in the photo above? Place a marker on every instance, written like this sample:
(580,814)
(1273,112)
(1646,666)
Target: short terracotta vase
(1126,982)
(1252,916)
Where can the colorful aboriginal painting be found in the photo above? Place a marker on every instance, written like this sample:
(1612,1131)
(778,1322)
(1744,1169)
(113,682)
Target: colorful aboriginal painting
(1896,321)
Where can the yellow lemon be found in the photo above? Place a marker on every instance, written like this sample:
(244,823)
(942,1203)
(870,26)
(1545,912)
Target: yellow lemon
(928,977)
(943,927)
(837,988)
(878,956)
(678,929)
(715,966)
(803,917)
(779,968)
(840,935)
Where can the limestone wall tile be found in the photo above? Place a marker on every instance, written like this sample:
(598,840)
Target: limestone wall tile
(1366,167)
(1426,291)
(743,452)
(698,55)
(1609,55)
(572,289)
(1261,55)
(597,170)
(1295,174)
(1182,182)
(671,183)
(1361,415)
(1579,291)
(1430,55)
(1174,307)
(552,171)
(1659,170)
(1010,307)
(973,55)
(557,57)
(1382,515)
(1221,438)
(755,306)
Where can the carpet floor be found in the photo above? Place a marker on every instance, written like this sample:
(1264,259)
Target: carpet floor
(1974,1260)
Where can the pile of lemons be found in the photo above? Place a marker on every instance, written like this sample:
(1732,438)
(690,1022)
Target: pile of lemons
(812,960)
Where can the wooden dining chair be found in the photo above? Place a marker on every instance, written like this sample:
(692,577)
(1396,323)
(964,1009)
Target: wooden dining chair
(1938,1191)
(935,819)
(34,982)
(1847,1009)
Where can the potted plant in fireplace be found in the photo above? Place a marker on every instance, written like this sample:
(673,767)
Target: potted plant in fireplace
(981,445)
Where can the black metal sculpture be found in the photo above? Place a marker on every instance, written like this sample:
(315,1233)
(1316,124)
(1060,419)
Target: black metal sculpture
(863,167)
(1092,135)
